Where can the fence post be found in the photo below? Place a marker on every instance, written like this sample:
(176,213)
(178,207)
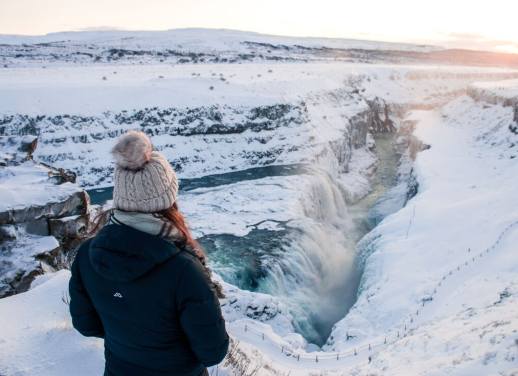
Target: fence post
(355,352)
(337,356)
(370,348)
(316,358)
(246,327)
(385,342)
(298,357)
(282,349)
(263,336)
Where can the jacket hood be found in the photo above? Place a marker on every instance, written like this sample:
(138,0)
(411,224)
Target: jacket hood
(122,253)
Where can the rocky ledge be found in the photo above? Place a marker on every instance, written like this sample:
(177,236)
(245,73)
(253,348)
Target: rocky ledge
(43,215)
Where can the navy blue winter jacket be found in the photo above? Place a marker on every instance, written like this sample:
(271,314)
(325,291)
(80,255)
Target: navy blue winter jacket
(151,301)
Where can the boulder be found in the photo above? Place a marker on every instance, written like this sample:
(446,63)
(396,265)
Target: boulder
(43,215)
(23,257)
(68,227)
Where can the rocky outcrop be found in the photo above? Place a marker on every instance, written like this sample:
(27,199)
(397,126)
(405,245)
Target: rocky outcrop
(74,204)
(43,214)
(375,120)
(211,120)
(514,127)
(24,256)
(496,96)
(409,145)
(378,117)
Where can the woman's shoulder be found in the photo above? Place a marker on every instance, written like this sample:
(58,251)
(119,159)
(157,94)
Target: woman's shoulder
(185,259)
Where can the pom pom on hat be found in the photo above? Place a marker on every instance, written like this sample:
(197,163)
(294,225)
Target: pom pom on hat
(133,150)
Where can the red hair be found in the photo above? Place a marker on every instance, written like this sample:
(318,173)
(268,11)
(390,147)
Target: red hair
(174,216)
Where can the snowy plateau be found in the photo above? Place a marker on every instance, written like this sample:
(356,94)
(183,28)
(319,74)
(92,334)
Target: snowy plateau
(357,200)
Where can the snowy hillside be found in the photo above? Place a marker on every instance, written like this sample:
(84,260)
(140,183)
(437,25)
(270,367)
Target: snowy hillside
(208,46)
(333,197)
(203,39)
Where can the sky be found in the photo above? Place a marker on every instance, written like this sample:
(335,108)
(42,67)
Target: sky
(477,24)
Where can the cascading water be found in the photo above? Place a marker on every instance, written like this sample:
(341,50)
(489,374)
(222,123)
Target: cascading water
(316,275)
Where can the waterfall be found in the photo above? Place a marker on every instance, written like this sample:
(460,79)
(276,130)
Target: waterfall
(317,276)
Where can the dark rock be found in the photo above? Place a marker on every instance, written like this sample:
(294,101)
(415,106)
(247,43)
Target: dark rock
(76,204)
(68,227)
(379,117)
(28,145)
(37,227)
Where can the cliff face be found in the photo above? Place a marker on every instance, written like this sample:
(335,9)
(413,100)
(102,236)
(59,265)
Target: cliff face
(504,94)
(43,214)
(514,127)
(197,140)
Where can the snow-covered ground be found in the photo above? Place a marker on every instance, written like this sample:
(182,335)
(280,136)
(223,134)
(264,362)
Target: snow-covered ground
(199,46)
(504,89)
(28,184)
(466,199)
(202,39)
(77,114)
(219,118)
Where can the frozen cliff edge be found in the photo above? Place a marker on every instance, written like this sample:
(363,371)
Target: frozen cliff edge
(42,212)
(465,200)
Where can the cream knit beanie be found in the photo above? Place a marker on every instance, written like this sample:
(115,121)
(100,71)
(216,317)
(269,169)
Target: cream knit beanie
(144,180)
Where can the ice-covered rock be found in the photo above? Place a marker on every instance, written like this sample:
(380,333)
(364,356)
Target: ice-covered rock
(24,256)
(35,200)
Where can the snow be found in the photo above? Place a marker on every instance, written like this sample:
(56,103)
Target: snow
(87,108)
(82,90)
(504,88)
(35,324)
(19,255)
(465,185)
(467,196)
(466,199)
(238,208)
(28,184)
(201,40)
(356,181)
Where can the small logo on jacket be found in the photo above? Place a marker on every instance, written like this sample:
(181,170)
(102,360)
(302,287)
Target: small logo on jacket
(117,295)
